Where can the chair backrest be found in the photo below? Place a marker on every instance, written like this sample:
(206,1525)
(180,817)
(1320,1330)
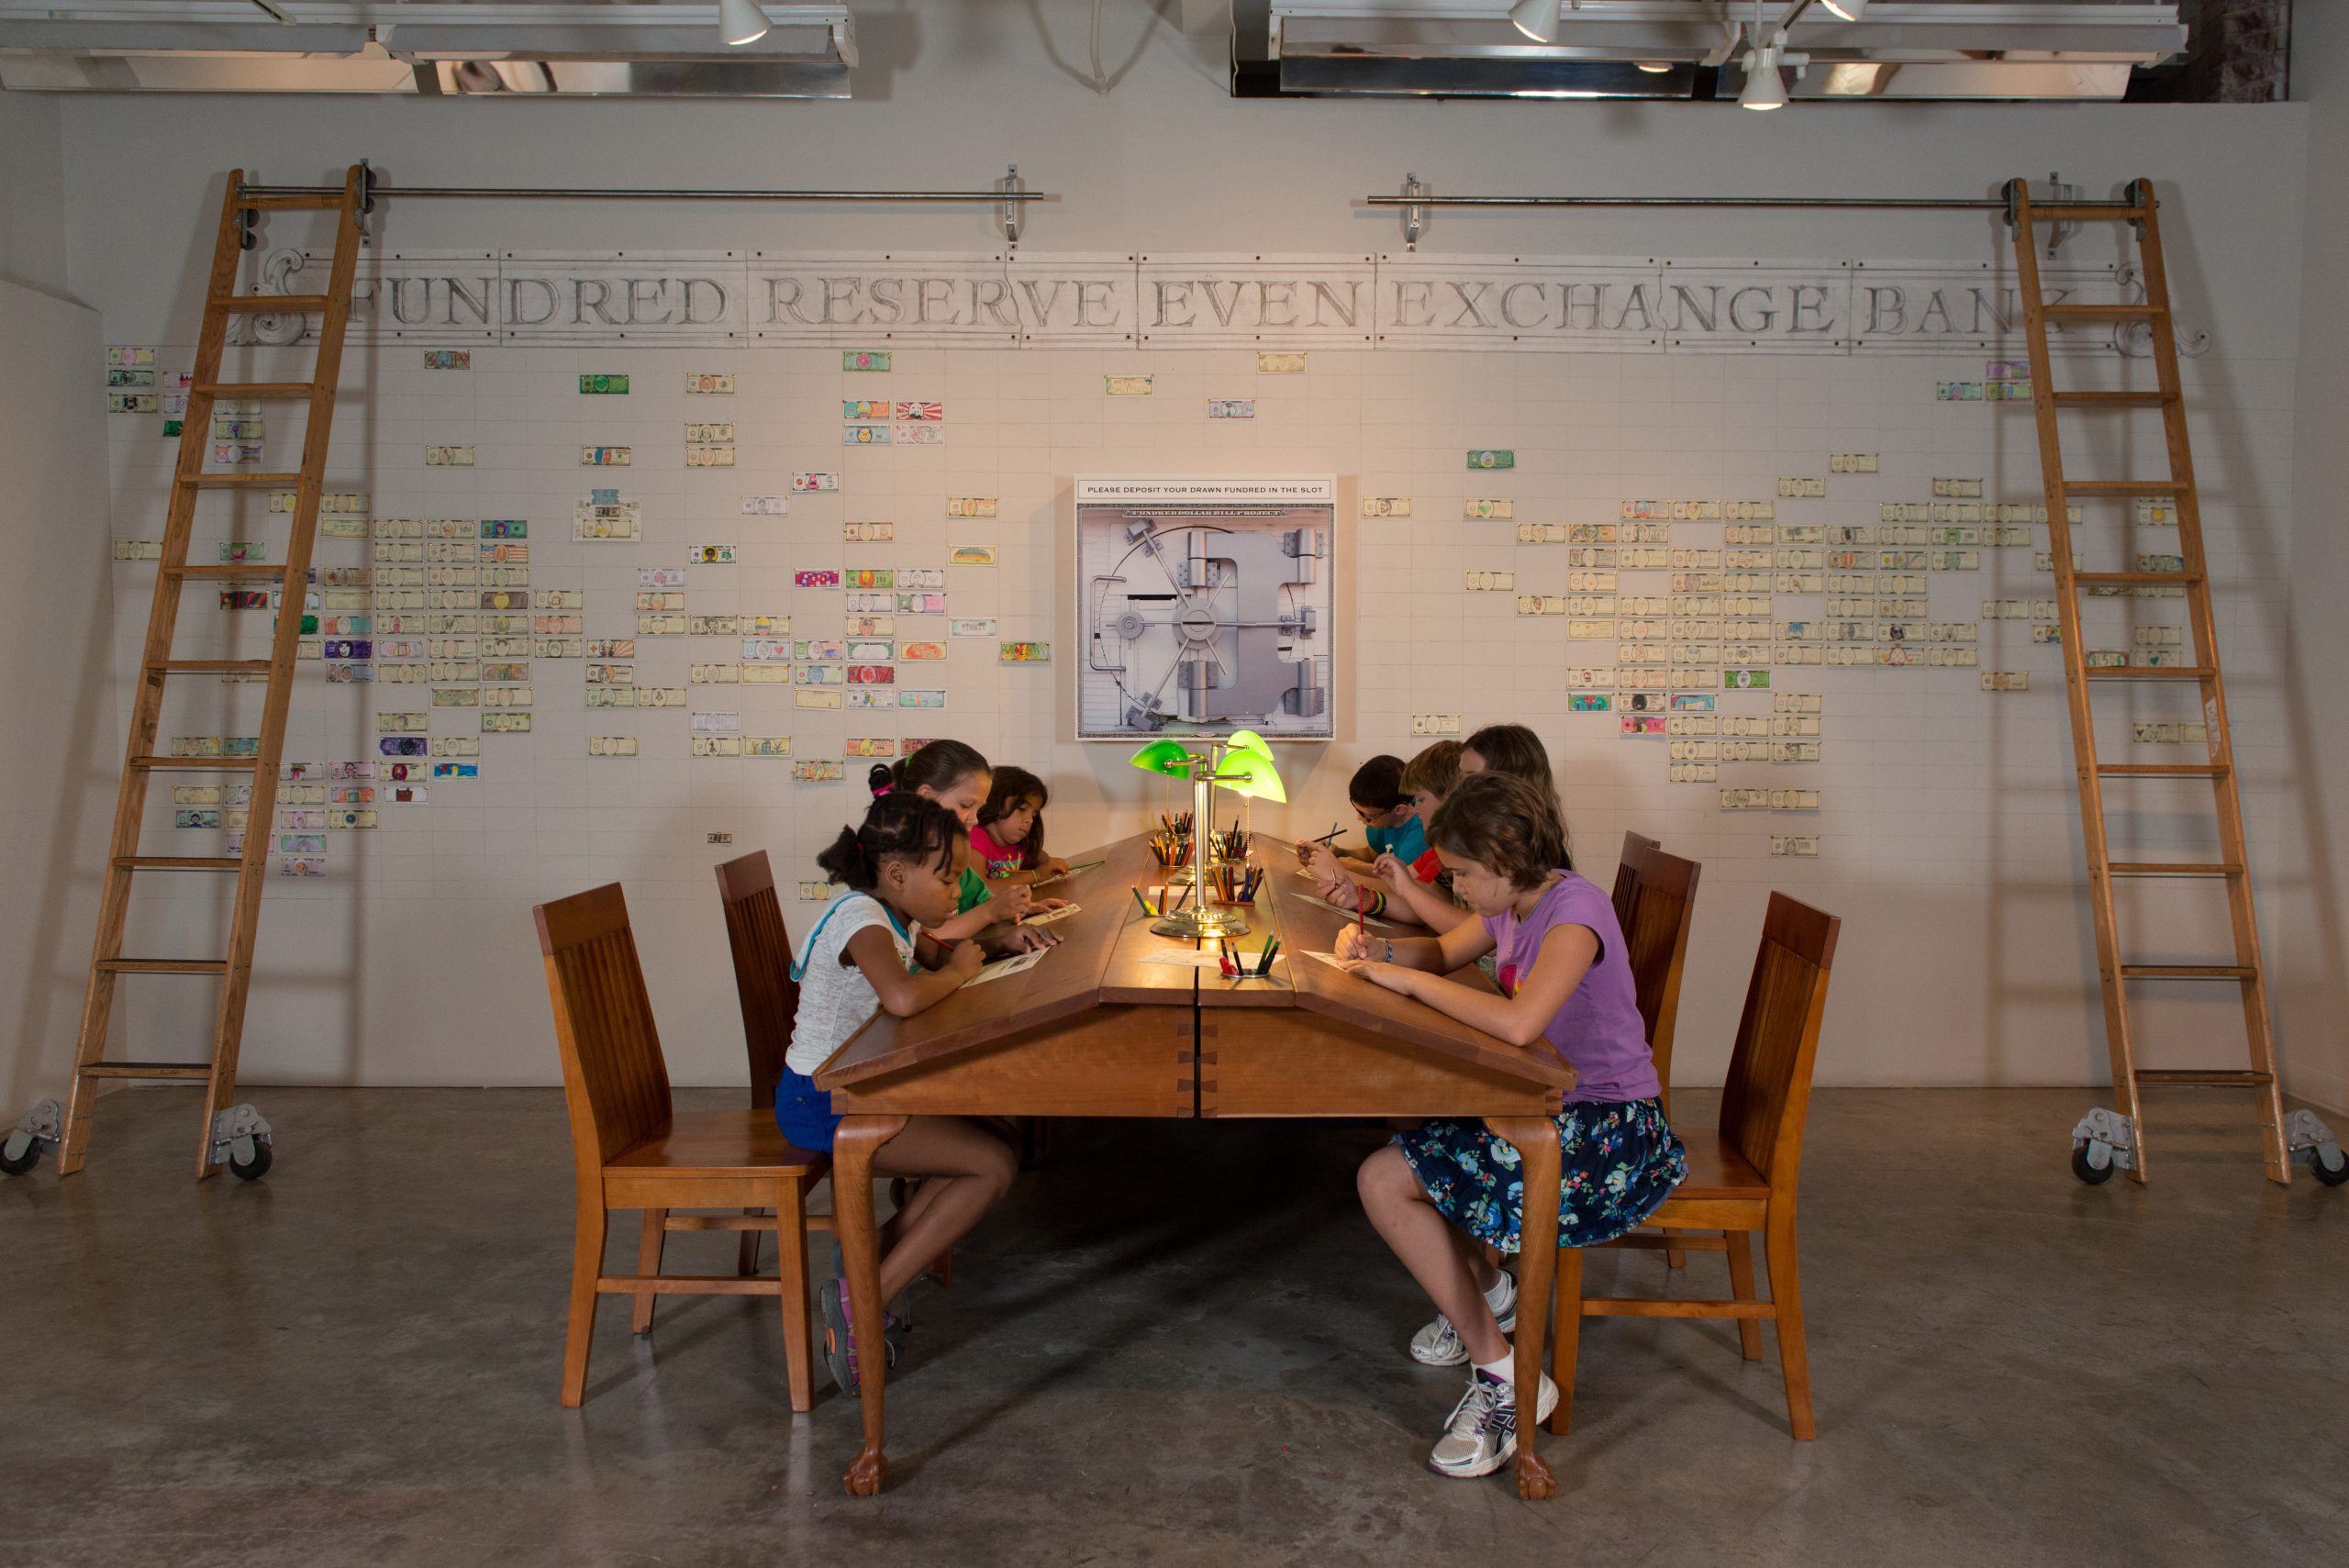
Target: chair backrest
(1636,848)
(615,1083)
(770,997)
(1655,938)
(1767,1096)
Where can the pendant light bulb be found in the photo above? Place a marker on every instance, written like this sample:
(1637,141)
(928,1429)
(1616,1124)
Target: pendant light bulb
(1537,19)
(741,22)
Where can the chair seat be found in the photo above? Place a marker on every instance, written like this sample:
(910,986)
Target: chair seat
(700,1145)
(1716,1170)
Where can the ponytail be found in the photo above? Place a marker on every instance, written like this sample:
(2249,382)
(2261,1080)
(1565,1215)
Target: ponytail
(938,767)
(898,825)
(881,779)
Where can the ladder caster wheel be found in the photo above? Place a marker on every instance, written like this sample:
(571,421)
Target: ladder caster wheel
(252,1170)
(23,1162)
(2088,1168)
(2332,1175)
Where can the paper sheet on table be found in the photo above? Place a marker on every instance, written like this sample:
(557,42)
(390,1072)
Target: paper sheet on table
(1004,966)
(1058,876)
(1332,960)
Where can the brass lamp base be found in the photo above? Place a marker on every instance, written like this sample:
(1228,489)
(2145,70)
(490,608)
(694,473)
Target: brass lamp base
(1202,925)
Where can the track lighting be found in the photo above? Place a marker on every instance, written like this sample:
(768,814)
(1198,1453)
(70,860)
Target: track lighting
(1764,89)
(741,22)
(1850,10)
(1537,19)
(1656,67)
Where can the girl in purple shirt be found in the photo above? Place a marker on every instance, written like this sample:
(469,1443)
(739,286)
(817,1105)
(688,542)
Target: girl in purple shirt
(1440,1190)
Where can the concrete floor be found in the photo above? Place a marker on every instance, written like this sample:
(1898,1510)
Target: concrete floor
(1150,1357)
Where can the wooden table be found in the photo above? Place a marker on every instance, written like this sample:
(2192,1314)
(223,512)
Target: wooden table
(1095,1030)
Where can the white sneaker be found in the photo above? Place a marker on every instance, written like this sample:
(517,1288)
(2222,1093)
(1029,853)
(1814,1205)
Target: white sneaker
(1481,1435)
(1438,1344)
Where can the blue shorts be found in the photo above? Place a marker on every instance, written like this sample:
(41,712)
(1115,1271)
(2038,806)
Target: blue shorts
(805,1112)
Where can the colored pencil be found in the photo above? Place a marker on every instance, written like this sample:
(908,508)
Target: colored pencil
(1140,899)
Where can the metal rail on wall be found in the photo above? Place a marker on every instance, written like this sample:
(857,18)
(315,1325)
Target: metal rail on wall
(1008,195)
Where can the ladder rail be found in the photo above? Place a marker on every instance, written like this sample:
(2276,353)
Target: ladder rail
(157,667)
(2233,866)
(2258,1023)
(261,816)
(2118,1043)
(146,707)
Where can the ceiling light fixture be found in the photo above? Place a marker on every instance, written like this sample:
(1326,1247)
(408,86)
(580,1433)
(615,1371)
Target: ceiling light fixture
(741,22)
(1764,87)
(1850,10)
(1537,19)
(1656,67)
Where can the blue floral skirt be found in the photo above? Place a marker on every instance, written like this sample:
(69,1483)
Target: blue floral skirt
(1617,1164)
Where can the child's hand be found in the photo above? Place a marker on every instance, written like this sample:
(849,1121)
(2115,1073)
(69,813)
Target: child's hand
(1054,866)
(965,960)
(1050,903)
(1352,944)
(1014,902)
(1392,872)
(1342,891)
(1028,939)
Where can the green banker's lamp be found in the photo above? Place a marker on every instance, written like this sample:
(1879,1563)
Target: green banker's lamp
(1242,764)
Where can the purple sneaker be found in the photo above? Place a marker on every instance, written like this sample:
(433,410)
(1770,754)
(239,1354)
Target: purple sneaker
(839,1335)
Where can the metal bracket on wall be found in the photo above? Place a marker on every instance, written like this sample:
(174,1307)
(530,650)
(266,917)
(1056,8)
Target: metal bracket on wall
(1009,185)
(2060,195)
(1415,217)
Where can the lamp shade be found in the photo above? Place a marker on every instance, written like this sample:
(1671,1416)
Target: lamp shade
(741,22)
(1164,757)
(1249,741)
(1245,772)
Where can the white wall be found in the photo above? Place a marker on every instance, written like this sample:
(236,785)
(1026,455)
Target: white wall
(32,191)
(1966,958)
(2312,936)
(57,702)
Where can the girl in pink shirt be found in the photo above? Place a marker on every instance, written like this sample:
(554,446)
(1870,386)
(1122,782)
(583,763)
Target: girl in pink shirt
(1008,838)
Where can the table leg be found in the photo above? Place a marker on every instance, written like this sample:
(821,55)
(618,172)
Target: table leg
(852,1146)
(1535,1139)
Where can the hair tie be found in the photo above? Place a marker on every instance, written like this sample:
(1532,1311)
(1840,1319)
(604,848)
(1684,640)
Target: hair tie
(884,789)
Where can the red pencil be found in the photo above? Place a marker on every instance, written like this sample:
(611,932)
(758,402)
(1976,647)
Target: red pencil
(1362,933)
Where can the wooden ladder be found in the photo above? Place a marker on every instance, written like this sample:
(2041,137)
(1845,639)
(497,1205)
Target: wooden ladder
(107,963)
(2246,972)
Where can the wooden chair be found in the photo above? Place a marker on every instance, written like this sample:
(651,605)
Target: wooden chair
(1655,901)
(1742,1176)
(1627,874)
(631,1150)
(1655,909)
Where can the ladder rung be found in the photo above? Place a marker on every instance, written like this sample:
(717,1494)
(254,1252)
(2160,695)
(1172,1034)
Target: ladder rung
(255,388)
(269,304)
(2149,673)
(177,862)
(212,666)
(2153,399)
(2172,868)
(2163,770)
(321,201)
(2207,1077)
(2188,972)
(2101,312)
(167,1072)
(2123,487)
(194,764)
(2136,577)
(212,480)
(2077,214)
(245,572)
(164,965)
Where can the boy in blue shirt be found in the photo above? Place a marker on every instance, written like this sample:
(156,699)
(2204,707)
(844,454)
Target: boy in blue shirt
(1384,807)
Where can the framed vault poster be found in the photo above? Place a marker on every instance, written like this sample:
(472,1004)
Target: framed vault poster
(1204,606)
